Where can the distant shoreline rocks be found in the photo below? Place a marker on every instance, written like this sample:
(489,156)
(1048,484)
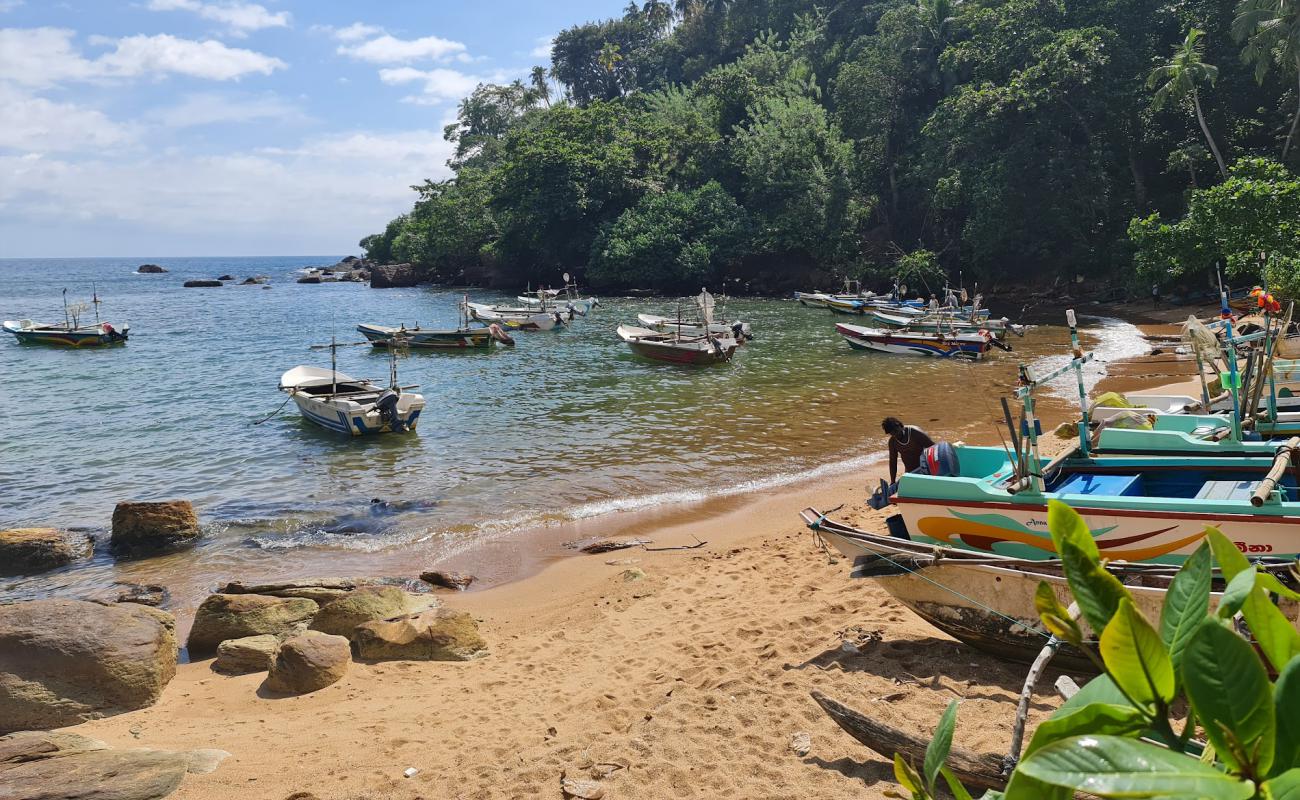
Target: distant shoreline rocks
(394,276)
(202,284)
(150,269)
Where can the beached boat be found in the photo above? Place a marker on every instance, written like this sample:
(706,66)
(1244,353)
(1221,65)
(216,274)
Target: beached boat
(987,600)
(350,405)
(949,323)
(71,333)
(481,338)
(740,331)
(945,345)
(678,348)
(523,319)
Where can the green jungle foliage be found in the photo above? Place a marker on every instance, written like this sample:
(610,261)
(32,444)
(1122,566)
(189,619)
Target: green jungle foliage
(1240,739)
(764,145)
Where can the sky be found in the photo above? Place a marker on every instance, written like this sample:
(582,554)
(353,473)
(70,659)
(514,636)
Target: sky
(223,127)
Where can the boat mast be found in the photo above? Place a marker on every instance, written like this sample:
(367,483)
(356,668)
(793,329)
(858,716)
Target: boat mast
(94,298)
(334,366)
(1078,375)
(67,322)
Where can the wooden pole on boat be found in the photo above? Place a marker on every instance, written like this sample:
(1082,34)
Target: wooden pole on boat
(1084,423)
(1031,470)
(94,298)
(1231,355)
(334,366)
(1285,454)
(67,323)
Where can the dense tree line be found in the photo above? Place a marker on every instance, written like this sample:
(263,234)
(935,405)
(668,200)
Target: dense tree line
(767,144)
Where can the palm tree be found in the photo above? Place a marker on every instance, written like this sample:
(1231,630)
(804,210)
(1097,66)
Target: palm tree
(1180,77)
(687,9)
(659,13)
(541,89)
(609,56)
(1271,30)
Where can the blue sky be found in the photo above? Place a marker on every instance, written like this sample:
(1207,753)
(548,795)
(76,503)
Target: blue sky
(223,127)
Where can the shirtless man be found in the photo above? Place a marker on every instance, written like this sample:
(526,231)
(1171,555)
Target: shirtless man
(907,442)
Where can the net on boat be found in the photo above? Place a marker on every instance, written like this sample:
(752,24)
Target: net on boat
(1200,340)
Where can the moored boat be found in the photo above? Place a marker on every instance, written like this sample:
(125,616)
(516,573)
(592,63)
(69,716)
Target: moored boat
(480,338)
(957,345)
(71,333)
(740,331)
(678,348)
(350,405)
(952,323)
(524,319)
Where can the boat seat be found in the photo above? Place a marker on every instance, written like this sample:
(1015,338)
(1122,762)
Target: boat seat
(1227,490)
(1102,485)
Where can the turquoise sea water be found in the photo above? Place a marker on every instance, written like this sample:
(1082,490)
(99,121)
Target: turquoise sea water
(566,425)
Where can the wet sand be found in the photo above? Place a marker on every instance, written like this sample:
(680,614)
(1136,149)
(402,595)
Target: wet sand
(688,681)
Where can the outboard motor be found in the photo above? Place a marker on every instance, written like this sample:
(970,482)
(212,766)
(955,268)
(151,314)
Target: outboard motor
(940,460)
(387,405)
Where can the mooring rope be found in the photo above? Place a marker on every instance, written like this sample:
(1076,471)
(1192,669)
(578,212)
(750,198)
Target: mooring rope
(277,411)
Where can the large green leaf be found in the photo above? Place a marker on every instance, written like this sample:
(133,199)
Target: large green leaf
(1100,689)
(1238,589)
(1284,787)
(1136,658)
(1186,603)
(1274,633)
(1095,590)
(1056,617)
(1096,718)
(1270,583)
(1065,524)
(1286,704)
(1229,690)
(936,753)
(1226,554)
(1111,766)
(1023,787)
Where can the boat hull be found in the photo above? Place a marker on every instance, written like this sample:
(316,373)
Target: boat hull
(965,346)
(473,339)
(335,416)
(93,336)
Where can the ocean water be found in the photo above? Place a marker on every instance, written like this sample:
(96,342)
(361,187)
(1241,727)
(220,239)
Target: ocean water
(566,425)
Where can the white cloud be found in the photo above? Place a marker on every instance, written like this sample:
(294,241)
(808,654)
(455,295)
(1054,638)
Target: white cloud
(241,18)
(46,56)
(387,49)
(354,32)
(543,48)
(35,125)
(438,84)
(208,108)
(320,196)
(9,5)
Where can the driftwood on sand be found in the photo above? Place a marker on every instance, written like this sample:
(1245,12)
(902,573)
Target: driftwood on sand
(974,769)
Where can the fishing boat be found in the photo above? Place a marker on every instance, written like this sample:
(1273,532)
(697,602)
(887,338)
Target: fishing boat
(354,406)
(678,348)
(523,319)
(945,345)
(933,323)
(71,333)
(740,331)
(987,600)
(812,299)
(481,338)
(561,299)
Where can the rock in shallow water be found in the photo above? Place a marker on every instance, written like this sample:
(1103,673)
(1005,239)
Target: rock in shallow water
(152,594)
(24,551)
(235,616)
(448,580)
(143,528)
(308,663)
(67,661)
(441,635)
(249,654)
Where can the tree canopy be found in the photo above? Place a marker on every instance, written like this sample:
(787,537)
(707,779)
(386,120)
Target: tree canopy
(782,143)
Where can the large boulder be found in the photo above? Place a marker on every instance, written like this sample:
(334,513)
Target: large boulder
(67,661)
(249,654)
(308,663)
(441,635)
(150,269)
(39,765)
(27,550)
(234,616)
(366,604)
(140,528)
(390,276)
(322,590)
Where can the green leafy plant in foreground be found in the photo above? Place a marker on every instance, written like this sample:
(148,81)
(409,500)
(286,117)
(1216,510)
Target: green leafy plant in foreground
(1117,737)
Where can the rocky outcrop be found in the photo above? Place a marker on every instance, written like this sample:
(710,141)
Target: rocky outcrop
(202,284)
(37,765)
(308,663)
(391,276)
(322,590)
(366,604)
(249,654)
(151,594)
(447,579)
(310,279)
(67,661)
(24,551)
(441,635)
(150,269)
(255,280)
(226,278)
(141,528)
(234,616)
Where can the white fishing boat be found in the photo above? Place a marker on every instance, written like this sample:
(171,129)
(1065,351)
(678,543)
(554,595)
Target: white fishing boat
(355,406)
(945,345)
(561,299)
(523,319)
(740,331)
